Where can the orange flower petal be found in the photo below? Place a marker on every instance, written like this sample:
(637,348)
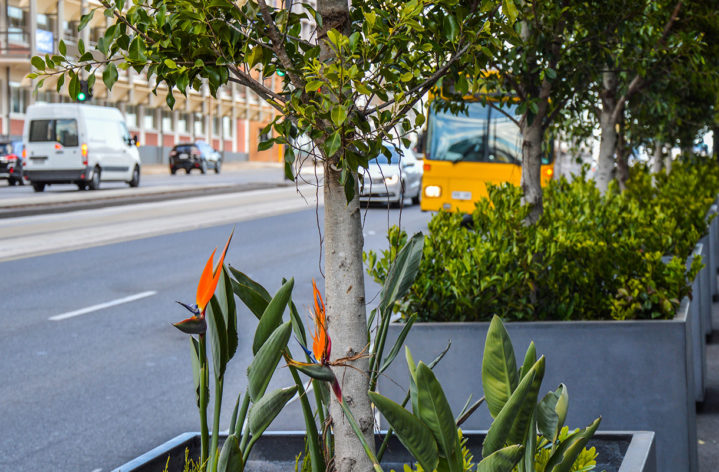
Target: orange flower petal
(321,343)
(209,279)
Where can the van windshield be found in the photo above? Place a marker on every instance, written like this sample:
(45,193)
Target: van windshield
(63,131)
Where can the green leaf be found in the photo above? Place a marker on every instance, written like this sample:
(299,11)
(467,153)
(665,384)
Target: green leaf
(266,359)
(403,272)
(230,456)
(338,114)
(252,294)
(192,325)
(499,367)
(218,337)
(110,75)
(510,9)
(226,297)
(499,431)
(435,412)
(316,371)
(530,357)
(272,316)
(502,460)
(136,51)
(265,145)
(170,63)
(263,412)
(520,428)
(38,62)
(333,144)
(84,20)
(62,48)
(567,452)
(254,57)
(313,85)
(552,412)
(60,83)
(415,436)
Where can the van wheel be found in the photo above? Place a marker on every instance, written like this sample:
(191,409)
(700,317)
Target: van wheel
(135,181)
(38,187)
(81,186)
(11,181)
(94,183)
(173,170)
(203,166)
(218,166)
(188,170)
(416,199)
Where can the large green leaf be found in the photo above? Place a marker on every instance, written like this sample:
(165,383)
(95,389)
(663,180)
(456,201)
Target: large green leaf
(403,272)
(568,451)
(502,460)
(218,337)
(412,367)
(552,411)
(230,456)
(499,431)
(272,316)
(263,365)
(499,367)
(268,407)
(520,428)
(316,371)
(252,294)
(415,436)
(226,297)
(530,357)
(434,411)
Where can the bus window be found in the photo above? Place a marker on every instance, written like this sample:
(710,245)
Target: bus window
(457,138)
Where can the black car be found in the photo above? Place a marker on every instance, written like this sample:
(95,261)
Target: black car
(197,155)
(11,162)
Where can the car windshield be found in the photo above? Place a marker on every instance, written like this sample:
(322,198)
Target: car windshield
(204,147)
(394,158)
(186,148)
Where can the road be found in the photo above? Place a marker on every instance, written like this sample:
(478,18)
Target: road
(93,373)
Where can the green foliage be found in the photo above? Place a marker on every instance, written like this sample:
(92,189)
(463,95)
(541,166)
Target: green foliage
(588,257)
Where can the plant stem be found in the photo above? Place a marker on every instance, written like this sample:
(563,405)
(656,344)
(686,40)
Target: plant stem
(243,413)
(204,378)
(312,437)
(360,436)
(377,355)
(216,422)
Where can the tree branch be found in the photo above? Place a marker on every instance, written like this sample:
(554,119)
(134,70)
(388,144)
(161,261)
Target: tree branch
(504,112)
(123,19)
(278,46)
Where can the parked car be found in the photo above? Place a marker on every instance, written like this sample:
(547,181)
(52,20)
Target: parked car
(11,162)
(392,181)
(78,144)
(197,155)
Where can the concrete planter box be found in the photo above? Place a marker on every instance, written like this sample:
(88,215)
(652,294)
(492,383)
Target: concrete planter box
(637,375)
(632,451)
(699,309)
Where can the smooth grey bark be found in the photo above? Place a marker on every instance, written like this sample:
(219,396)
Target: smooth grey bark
(608,127)
(346,320)
(656,161)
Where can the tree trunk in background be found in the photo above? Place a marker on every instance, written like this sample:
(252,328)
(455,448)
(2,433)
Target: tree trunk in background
(532,135)
(655,164)
(715,142)
(608,141)
(622,159)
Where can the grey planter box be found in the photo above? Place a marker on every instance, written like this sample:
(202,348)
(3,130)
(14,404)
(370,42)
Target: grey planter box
(632,451)
(638,375)
(698,307)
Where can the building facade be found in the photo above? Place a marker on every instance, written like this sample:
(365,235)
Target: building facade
(232,122)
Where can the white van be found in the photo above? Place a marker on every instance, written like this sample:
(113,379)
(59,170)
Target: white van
(78,144)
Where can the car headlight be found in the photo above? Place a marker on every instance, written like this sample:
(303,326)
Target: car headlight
(391,180)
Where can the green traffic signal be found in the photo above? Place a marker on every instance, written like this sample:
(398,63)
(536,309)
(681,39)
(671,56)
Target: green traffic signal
(81,97)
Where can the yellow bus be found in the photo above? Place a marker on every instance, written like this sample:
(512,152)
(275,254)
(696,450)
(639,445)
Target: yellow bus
(465,152)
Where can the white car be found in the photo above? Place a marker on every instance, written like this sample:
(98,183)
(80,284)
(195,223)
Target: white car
(78,144)
(393,181)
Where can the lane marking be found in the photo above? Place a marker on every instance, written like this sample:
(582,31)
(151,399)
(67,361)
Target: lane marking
(101,306)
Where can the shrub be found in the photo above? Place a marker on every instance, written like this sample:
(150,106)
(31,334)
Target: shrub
(589,257)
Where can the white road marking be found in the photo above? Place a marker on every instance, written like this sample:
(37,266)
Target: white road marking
(97,470)
(102,306)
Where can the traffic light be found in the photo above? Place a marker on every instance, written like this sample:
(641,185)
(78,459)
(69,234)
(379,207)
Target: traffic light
(85,92)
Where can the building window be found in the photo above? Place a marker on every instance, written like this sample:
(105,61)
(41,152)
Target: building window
(199,125)
(19,98)
(182,120)
(131,116)
(148,121)
(17,21)
(167,122)
(226,127)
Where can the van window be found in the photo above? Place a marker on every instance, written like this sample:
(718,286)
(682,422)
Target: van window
(63,131)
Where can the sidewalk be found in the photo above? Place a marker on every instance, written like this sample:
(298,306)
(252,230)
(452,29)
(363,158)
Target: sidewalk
(708,411)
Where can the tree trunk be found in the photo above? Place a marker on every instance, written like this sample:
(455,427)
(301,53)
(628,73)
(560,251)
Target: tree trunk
(608,141)
(347,320)
(622,160)
(715,141)
(532,135)
(656,162)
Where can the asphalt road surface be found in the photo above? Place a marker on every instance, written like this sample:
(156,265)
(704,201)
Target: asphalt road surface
(93,374)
